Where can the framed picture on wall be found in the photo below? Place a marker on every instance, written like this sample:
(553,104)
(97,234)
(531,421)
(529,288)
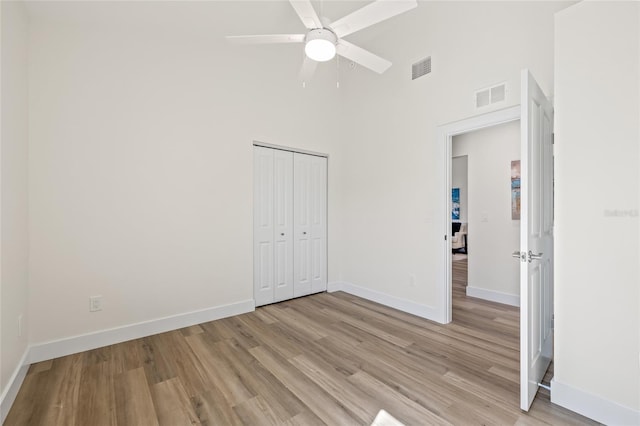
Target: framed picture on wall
(515,190)
(455,203)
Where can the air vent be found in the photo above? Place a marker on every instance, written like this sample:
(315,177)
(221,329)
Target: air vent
(491,95)
(421,68)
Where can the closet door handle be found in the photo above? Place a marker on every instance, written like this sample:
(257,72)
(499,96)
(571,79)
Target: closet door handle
(304,233)
(282,234)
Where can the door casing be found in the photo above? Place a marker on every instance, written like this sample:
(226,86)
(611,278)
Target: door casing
(445,137)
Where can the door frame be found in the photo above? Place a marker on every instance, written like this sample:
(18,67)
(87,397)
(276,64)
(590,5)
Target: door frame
(445,136)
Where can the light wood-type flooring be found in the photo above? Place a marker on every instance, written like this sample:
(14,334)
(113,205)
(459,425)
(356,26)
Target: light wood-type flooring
(330,359)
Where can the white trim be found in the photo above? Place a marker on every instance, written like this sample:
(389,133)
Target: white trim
(335,286)
(290,149)
(11,391)
(493,296)
(85,342)
(445,134)
(404,305)
(592,406)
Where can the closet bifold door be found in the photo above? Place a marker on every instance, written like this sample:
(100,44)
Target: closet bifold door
(283,220)
(310,224)
(272,225)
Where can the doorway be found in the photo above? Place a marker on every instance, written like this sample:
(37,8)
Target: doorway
(485,214)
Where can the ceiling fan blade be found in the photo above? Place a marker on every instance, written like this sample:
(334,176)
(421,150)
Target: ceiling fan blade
(267,39)
(307,69)
(307,13)
(362,57)
(371,14)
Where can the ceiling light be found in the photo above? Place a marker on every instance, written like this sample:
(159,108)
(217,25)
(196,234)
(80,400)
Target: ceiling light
(320,45)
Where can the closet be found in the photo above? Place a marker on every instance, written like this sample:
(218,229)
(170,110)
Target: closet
(289,224)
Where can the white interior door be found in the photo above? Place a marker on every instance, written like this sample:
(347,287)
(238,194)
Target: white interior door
(318,212)
(263,226)
(536,239)
(283,221)
(272,225)
(310,229)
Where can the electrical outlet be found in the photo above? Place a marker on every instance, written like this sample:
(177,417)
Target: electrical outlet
(95,303)
(412,280)
(20,325)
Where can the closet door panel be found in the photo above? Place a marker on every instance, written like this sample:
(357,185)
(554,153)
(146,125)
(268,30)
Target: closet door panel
(263,226)
(302,224)
(283,220)
(318,215)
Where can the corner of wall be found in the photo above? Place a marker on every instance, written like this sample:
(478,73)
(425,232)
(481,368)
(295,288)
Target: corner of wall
(404,305)
(10,392)
(592,406)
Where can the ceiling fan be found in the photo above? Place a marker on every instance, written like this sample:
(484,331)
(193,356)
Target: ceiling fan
(324,39)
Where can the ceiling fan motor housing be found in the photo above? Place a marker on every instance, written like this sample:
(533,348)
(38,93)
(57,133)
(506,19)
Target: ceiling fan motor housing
(320,44)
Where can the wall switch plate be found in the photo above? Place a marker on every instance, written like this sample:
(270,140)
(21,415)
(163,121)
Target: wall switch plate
(95,303)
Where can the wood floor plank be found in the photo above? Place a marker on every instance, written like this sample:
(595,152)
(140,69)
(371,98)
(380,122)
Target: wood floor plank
(401,407)
(260,381)
(337,385)
(40,367)
(183,361)
(32,404)
(65,377)
(172,404)
(220,372)
(194,329)
(256,411)
(97,406)
(319,402)
(133,399)
(156,367)
(212,408)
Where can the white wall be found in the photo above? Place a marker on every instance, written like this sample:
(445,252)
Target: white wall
(596,205)
(13,190)
(394,185)
(493,235)
(459,179)
(142,122)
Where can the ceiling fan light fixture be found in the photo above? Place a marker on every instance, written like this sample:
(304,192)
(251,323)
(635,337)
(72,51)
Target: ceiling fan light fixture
(320,45)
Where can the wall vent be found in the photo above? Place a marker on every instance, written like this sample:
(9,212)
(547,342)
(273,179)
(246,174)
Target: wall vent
(491,95)
(421,68)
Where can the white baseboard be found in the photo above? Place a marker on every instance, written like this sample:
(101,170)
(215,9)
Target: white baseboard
(335,286)
(592,406)
(493,296)
(11,391)
(70,345)
(404,305)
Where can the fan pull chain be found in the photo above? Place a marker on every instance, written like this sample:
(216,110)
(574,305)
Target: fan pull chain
(337,72)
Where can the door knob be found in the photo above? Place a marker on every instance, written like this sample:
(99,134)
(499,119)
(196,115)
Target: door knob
(518,255)
(534,256)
